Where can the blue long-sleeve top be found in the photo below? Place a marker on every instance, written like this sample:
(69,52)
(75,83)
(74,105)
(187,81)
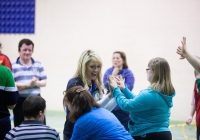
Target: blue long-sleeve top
(126,74)
(149,110)
(99,124)
(69,126)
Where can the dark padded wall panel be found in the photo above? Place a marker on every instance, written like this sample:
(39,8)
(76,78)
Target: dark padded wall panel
(17,16)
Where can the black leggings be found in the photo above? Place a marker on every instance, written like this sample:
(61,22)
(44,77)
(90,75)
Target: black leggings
(198,132)
(65,137)
(166,135)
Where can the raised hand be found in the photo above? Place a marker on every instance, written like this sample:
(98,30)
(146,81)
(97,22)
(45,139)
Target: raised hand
(112,82)
(120,81)
(182,51)
(115,71)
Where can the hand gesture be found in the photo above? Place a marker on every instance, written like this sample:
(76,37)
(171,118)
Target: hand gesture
(182,51)
(120,82)
(115,71)
(33,81)
(112,82)
(189,120)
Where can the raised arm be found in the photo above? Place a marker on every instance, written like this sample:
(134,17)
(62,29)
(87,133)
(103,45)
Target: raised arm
(138,103)
(107,102)
(121,84)
(184,53)
(128,94)
(111,104)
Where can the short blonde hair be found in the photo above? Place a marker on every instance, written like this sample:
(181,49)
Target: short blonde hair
(86,57)
(161,79)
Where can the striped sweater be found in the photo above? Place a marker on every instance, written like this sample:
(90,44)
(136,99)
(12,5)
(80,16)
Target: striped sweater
(32,129)
(24,74)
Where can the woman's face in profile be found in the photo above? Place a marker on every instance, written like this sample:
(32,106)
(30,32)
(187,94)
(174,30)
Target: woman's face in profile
(117,60)
(92,70)
(149,72)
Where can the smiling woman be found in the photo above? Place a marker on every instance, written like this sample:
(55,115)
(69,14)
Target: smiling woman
(88,75)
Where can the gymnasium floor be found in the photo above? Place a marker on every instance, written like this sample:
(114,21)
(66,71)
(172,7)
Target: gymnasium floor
(180,131)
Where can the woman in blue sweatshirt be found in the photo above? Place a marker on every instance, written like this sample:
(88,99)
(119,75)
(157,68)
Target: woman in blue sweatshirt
(120,67)
(150,109)
(91,121)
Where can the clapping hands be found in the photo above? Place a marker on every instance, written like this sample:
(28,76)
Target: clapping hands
(33,81)
(120,82)
(112,82)
(116,81)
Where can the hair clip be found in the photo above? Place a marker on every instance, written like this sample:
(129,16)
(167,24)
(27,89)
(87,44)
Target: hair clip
(80,90)
(155,61)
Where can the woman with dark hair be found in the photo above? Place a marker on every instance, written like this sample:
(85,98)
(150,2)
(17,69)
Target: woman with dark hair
(120,67)
(150,109)
(91,121)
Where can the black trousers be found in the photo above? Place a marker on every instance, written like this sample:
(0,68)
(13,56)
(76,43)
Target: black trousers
(18,112)
(5,127)
(166,135)
(198,132)
(65,137)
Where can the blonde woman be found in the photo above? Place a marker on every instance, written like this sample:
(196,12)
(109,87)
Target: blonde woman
(88,75)
(150,109)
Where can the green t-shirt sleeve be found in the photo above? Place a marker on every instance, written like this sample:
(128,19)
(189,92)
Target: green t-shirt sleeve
(11,94)
(10,82)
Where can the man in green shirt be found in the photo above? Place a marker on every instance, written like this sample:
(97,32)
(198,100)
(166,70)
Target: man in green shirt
(8,98)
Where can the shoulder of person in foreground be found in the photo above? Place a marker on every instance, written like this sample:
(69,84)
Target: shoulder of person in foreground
(11,94)
(15,133)
(92,124)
